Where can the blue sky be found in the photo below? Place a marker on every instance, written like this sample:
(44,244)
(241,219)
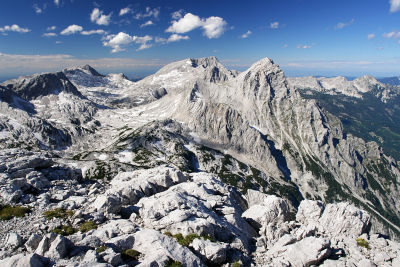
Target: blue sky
(305,37)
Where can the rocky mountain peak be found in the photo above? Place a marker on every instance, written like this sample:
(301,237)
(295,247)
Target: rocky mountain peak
(91,70)
(32,87)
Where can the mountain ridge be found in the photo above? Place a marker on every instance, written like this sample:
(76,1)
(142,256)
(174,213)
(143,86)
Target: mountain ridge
(192,132)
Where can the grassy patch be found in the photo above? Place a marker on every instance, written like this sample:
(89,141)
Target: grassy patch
(65,230)
(130,255)
(361,242)
(187,240)
(58,213)
(87,226)
(101,249)
(236,264)
(172,263)
(8,212)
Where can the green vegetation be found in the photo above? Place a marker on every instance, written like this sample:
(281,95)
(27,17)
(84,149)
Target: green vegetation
(102,172)
(130,255)
(8,212)
(187,240)
(367,118)
(171,263)
(236,264)
(101,249)
(361,242)
(58,213)
(65,230)
(87,226)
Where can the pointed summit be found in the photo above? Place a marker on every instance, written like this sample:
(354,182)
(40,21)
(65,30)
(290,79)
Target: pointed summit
(91,70)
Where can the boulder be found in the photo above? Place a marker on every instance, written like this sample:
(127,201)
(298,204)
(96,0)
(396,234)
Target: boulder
(344,219)
(21,260)
(157,246)
(213,252)
(13,240)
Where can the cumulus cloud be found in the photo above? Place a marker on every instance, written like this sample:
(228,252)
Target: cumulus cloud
(71,29)
(213,27)
(341,25)
(149,12)
(147,23)
(125,11)
(186,24)
(57,2)
(176,38)
(51,28)
(394,35)
(49,34)
(246,34)
(274,25)
(99,18)
(93,32)
(370,36)
(14,28)
(394,5)
(118,41)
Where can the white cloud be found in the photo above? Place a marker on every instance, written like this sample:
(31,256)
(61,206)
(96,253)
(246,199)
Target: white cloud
(125,11)
(71,29)
(186,24)
(143,41)
(274,25)
(176,38)
(116,42)
(150,12)
(213,27)
(14,28)
(304,46)
(99,18)
(93,32)
(57,2)
(49,34)
(37,9)
(394,5)
(51,28)
(394,35)
(370,36)
(341,25)
(147,23)
(59,42)
(177,14)
(245,35)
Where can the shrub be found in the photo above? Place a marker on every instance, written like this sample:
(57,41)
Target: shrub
(236,264)
(8,212)
(361,242)
(187,240)
(58,213)
(87,226)
(130,254)
(101,249)
(171,263)
(65,230)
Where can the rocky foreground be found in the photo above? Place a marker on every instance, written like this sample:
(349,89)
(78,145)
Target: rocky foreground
(166,217)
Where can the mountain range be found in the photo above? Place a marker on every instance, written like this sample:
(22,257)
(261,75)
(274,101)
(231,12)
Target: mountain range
(199,165)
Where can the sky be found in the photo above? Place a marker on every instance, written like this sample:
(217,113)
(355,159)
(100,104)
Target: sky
(305,37)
